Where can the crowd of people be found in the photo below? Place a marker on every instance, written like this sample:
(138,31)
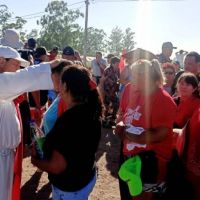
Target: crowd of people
(151,102)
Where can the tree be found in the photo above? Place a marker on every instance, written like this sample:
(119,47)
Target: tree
(119,40)
(128,39)
(96,41)
(33,34)
(115,41)
(7,22)
(58,26)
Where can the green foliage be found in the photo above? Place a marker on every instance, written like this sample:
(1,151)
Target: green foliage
(33,34)
(128,40)
(58,26)
(96,41)
(7,22)
(119,40)
(115,41)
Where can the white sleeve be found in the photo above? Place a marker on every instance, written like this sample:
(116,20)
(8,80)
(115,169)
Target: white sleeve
(13,84)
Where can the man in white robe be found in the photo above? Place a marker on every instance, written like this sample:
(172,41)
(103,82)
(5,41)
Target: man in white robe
(13,84)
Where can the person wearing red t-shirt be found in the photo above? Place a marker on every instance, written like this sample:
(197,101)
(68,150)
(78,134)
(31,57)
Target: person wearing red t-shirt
(146,117)
(53,53)
(193,153)
(169,72)
(188,98)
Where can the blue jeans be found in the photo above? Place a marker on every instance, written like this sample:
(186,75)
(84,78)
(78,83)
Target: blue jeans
(82,194)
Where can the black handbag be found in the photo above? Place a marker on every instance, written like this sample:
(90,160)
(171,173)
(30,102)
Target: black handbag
(149,169)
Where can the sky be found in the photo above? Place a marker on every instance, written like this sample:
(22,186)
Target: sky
(153,22)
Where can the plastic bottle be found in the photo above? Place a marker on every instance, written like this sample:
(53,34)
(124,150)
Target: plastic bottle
(37,136)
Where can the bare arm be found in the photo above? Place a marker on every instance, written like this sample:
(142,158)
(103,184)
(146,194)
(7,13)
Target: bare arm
(28,79)
(148,136)
(56,165)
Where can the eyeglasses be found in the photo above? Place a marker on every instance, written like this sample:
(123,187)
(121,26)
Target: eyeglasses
(168,73)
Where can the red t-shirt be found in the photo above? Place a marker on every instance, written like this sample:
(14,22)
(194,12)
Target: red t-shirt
(185,110)
(51,57)
(193,152)
(149,112)
(62,107)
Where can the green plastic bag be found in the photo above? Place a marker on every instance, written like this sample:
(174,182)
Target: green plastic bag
(130,172)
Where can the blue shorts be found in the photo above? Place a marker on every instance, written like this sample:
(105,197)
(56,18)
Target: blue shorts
(82,194)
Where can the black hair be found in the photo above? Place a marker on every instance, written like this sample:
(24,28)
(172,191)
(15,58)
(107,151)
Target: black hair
(78,83)
(114,60)
(191,79)
(99,52)
(58,69)
(25,53)
(195,55)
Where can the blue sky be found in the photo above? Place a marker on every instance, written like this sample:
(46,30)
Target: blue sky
(154,22)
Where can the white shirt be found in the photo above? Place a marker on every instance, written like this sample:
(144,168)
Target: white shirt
(96,71)
(180,58)
(12,85)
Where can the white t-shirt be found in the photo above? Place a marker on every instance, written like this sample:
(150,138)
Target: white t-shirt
(96,71)
(180,58)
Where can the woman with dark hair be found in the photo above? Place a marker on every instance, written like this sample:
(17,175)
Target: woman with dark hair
(187,99)
(71,145)
(52,113)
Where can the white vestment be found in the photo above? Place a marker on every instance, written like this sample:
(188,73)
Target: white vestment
(13,84)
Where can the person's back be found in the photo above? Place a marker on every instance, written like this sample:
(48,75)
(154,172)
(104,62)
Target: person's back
(180,55)
(193,154)
(26,53)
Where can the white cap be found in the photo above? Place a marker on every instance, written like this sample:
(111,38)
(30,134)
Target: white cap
(8,52)
(11,39)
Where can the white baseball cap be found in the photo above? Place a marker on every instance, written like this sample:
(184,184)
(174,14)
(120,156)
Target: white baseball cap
(11,39)
(8,52)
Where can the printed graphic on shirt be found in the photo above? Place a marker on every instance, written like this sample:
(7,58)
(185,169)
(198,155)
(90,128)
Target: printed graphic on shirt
(130,115)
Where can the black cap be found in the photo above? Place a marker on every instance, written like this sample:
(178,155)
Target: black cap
(69,51)
(40,51)
(168,45)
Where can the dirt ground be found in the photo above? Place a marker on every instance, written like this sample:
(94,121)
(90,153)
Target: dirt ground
(35,184)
